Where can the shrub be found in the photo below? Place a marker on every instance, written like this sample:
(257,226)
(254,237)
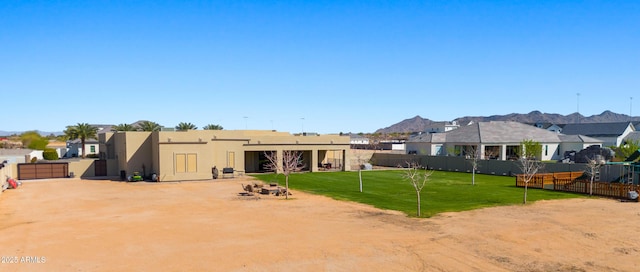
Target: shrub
(50,154)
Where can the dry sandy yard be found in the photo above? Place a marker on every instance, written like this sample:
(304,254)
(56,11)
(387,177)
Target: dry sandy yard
(89,225)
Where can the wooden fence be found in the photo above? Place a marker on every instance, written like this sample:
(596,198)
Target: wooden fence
(548,179)
(569,182)
(607,189)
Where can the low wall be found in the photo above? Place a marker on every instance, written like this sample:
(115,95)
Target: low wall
(85,168)
(460,164)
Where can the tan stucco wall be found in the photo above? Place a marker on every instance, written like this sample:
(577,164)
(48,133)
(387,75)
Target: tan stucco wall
(133,152)
(86,168)
(158,150)
(213,148)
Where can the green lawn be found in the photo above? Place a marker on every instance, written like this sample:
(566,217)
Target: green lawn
(444,192)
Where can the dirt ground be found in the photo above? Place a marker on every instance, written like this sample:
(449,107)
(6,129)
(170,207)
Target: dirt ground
(98,225)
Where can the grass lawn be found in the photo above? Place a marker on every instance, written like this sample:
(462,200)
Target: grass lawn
(444,192)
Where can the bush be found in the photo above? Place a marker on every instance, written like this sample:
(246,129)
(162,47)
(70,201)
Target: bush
(93,156)
(50,154)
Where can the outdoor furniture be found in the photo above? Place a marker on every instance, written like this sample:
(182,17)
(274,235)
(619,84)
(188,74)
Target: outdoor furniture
(272,190)
(227,171)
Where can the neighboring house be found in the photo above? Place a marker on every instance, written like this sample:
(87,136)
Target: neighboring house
(577,142)
(633,136)
(496,140)
(549,126)
(611,134)
(356,139)
(191,155)
(394,145)
(438,127)
(431,144)
(59,147)
(19,155)
(74,148)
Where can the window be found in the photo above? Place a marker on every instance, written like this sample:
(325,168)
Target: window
(231,160)
(93,149)
(513,152)
(186,163)
(546,150)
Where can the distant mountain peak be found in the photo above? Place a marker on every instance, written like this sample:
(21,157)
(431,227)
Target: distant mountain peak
(419,124)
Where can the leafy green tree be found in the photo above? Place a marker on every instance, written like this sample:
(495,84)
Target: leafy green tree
(182,126)
(212,127)
(626,149)
(123,127)
(149,126)
(33,140)
(82,131)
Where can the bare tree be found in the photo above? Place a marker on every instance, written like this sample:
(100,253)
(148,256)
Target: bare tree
(593,168)
(291,162)
(361,160)
(530,165)
(418,178)
(474,159)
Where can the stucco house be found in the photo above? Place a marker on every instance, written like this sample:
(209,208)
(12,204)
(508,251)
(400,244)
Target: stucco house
(497,140)
(74,148)
(191,155)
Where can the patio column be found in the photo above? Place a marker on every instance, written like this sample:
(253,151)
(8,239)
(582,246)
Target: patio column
(314,160)
(346,160)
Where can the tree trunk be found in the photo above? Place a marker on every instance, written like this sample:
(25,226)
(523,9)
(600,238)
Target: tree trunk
(473,176)
(418,194)
(524,201)
(591,186)
(82,146)
(286,186)
(360,176)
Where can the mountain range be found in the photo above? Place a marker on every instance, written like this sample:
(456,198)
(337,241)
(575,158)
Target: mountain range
(418,123)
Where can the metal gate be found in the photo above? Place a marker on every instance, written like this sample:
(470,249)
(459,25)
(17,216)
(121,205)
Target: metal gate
(100,168)
(43,170)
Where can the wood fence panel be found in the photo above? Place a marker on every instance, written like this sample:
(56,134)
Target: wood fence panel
(43,170)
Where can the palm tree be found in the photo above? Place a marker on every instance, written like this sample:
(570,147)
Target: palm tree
(82,131)
(182,126)
(149,126)
(212,127)
(123,127)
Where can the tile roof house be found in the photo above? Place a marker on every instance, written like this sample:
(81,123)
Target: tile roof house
(611,134)
(497,140)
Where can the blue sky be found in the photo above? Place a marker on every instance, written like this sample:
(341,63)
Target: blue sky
(318,66)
